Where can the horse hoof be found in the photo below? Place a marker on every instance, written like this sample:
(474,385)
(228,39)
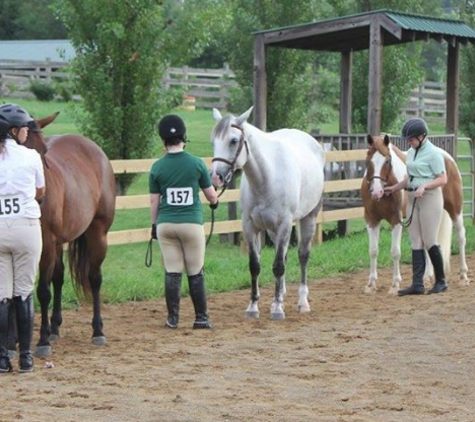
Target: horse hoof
(99,341)
(42,351)
(277,316)
(302,309)
(252,314)
(54,337)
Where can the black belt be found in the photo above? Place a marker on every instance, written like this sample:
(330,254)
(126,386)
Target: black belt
(411,189)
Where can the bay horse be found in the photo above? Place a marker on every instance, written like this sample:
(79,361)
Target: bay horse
(385,166)
(281,183)
(78,209)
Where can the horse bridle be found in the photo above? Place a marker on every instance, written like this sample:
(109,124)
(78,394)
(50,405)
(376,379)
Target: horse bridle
(229,176)
(384,180)
(232,164)
(396,203)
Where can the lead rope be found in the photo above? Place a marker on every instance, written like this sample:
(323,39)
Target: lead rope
(212,215)
(148,254)
(408,222)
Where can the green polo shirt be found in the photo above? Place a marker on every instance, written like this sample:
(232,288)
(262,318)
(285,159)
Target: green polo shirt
(424,166)
(178,178)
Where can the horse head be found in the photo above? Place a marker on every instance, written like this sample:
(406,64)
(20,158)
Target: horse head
(230,148)
(35,138)
(379,166)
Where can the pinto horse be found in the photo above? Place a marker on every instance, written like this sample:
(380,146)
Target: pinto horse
(385,166)
(282,182)
(78,209)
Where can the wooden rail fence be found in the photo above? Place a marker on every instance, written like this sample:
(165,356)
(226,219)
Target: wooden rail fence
(204,88)
(231,195)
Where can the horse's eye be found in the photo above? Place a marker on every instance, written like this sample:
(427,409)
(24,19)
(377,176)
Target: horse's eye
(234,141)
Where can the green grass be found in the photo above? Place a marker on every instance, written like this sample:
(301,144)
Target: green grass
(127,278)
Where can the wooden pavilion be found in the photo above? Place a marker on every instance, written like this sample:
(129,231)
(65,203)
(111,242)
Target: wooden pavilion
(366,31)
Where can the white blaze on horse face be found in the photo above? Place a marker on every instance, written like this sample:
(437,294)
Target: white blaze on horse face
(377,184)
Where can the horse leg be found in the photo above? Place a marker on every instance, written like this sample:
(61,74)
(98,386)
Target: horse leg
(396,234)
(278,268)
(308,226)
(373,234)
(253,241)
(43,291)
(97,249)
(58,282)
(460,230)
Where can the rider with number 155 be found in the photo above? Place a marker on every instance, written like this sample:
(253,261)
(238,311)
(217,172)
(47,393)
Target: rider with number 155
(22,185)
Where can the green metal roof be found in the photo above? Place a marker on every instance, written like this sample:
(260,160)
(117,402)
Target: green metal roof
(352,32)
(434,25)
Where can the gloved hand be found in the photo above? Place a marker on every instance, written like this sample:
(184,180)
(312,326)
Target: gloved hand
(214,206)
(153,234)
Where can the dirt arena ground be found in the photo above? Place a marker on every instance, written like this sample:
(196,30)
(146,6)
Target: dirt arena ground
(353,358)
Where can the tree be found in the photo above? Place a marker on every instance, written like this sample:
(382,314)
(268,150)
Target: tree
(403,67)
(8,27)
(467,88)
(290,73)
(122,51)
(29,20)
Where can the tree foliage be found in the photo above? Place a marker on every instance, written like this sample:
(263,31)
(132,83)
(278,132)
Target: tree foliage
(403,66)
(290,83)
(29,20)
(122,51)
(467,88)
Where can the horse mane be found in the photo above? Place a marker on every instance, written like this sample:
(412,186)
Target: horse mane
(223,126)
(402,156)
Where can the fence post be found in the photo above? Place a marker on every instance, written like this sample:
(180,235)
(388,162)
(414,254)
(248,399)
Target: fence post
(420,101)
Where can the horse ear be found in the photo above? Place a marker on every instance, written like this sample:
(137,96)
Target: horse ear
(45,121)
(244,116)
(217,115)
(369,138)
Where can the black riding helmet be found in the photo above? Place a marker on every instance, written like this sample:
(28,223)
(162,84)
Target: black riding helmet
(171,127)
(414,127)
(4,128)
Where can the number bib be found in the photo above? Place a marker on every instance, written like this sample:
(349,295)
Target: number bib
(9,205)
(180,196)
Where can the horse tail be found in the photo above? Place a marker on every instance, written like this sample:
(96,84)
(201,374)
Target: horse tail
(444,239)
(79,265)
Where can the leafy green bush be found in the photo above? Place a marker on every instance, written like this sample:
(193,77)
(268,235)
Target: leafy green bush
(64,91)
(43,91)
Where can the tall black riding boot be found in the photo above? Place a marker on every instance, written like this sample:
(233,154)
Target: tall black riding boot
(198,297)
(5,365)
(437,260)
(12,333)
(25,316)
(418,269)
(172,296)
